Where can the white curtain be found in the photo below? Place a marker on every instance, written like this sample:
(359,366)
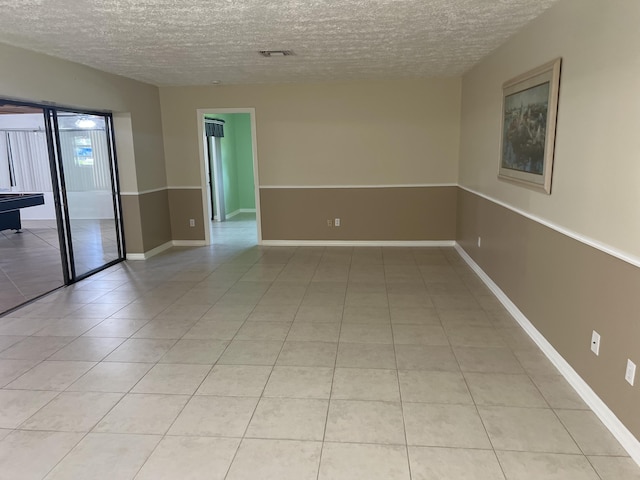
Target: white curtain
(26,155)
(5,175)
(82,177)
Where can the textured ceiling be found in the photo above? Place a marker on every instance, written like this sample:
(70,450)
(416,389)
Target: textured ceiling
(195,42)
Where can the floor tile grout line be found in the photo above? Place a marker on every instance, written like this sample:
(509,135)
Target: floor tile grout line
(397,372)
(114,406)
(549,407)
(199,385)
(333,376)
(477,410)
(263,389)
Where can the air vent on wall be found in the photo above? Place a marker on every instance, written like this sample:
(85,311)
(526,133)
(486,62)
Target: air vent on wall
(276,53)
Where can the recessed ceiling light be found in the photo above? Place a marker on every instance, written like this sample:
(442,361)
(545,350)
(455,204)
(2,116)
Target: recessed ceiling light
(216,82)
(276,53)
(85,123)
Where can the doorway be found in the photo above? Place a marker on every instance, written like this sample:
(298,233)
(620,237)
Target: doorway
(229,175)
(60,215)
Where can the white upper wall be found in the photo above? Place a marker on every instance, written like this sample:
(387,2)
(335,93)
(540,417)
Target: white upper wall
(596,177)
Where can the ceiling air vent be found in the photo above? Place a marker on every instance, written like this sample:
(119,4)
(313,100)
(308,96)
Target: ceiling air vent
(276,53)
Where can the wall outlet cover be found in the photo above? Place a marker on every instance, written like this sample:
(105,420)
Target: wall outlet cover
(595,342)
(630,374)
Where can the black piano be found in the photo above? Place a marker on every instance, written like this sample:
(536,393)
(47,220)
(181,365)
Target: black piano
(10,205)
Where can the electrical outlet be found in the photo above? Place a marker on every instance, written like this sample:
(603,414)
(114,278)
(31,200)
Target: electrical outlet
(192,222)
(630,374)
(479,241)
(595,342)
(329,222)
(336,222)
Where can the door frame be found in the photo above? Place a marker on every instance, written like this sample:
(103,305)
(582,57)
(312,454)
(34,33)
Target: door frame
(204,178)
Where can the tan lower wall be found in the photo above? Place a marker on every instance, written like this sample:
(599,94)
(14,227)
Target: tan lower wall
(146,221)
(154,212)
(394,213)
(566,289)
(185,204)
(132,224)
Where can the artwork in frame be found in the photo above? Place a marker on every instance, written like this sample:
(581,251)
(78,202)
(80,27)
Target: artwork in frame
(529,111)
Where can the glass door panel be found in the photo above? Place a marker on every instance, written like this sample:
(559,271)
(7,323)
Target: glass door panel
(85,163)
(30,255)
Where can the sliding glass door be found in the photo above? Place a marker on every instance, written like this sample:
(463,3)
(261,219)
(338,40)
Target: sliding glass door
(60,212)
(88,190)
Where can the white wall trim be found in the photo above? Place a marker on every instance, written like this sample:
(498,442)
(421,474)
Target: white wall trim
(358,243)
(604,413)
(189,243)
(150,253)
(624,256)
(153,190)
(413,185)
(142,192)
(239,211)
(165,246)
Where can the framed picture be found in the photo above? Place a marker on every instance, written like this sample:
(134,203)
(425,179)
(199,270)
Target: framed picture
(529,110)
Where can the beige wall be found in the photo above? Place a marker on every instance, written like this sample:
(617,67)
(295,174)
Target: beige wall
(186,204)
(595,179)
(31,76)
(39,78)
(402,132)
(394,214)
(564,287)
(131,219)
(373,133)
(156,225)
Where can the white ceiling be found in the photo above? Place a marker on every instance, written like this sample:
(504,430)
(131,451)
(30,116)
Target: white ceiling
(194,42)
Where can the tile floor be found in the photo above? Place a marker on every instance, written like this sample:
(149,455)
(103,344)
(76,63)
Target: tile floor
(30,263)
(240,362)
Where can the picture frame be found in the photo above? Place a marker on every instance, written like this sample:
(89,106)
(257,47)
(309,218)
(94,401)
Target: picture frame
(528,129)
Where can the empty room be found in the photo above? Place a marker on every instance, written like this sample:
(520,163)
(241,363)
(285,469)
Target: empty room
(339,240)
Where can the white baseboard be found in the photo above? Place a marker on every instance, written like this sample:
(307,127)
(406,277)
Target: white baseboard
(358,243)
(237,212)
(163,247)
(188,243)
(150,253)
(628,441)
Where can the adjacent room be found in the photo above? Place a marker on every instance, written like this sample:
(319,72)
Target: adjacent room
(391,240)
(229,174)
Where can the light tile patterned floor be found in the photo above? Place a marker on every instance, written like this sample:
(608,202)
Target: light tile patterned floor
(239,362)
(30,263)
